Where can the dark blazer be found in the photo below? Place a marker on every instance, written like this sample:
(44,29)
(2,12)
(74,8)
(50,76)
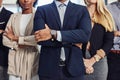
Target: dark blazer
(4,17)
(100,39)
(76,29)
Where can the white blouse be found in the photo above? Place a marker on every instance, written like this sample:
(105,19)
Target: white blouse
(24,22)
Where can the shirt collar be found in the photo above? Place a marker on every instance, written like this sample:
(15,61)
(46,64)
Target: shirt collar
(58,2)
(1,8)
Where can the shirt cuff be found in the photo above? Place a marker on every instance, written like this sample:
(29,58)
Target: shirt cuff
(21,40)
(59,37)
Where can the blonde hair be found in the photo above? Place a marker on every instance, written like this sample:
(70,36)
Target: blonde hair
(103,16)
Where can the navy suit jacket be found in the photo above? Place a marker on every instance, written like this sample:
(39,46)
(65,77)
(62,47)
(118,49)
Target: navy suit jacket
(76,29)
(4,17)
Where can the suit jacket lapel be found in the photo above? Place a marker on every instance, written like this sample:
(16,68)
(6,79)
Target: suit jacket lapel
(56,14)
(17,23)
(2,13)
(29,27)
(68,13)
(2,19)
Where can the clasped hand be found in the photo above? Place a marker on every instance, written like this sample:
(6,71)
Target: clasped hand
(10,34)
(89,65)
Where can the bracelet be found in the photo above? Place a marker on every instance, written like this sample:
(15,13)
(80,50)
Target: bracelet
(101,53)
(97,57)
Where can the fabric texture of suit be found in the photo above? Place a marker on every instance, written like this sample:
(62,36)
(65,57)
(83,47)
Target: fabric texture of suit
(4,17)
(76,29)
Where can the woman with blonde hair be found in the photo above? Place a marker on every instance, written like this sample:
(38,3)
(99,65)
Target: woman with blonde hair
(100,42)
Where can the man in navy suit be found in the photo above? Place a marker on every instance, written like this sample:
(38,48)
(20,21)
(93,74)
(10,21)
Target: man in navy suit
(66,24)
(4,17)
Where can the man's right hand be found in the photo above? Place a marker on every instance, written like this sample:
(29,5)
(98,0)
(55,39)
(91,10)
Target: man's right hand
(79,45)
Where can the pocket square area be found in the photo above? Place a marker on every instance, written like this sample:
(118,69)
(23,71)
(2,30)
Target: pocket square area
(2,22)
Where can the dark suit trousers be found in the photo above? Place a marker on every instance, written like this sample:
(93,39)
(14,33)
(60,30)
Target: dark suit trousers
(3,73)
(63,75)
(113,66)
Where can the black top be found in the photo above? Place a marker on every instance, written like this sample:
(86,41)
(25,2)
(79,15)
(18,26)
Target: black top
(4,17)
(100,39)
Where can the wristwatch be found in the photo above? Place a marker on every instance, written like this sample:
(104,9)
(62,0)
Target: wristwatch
(53,34)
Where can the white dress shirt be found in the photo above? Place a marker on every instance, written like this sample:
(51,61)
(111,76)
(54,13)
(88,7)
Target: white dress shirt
(61,7)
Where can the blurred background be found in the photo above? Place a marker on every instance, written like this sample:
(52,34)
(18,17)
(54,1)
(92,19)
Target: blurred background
(11,4)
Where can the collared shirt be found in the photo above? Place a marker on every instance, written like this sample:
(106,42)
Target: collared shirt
(61,9)
(58,2)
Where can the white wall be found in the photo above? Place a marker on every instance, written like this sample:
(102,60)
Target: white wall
(14,8)
(42,2)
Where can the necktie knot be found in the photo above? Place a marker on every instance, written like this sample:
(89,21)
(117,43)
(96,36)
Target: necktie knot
(61,5)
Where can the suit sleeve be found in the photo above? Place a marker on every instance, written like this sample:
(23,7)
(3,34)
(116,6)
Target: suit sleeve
(39,24)
(82,34)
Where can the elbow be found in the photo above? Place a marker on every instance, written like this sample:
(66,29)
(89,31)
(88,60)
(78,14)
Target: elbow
(85,38)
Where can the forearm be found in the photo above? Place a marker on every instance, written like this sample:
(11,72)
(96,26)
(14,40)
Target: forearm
(71,36)
(11,44)
(75,36)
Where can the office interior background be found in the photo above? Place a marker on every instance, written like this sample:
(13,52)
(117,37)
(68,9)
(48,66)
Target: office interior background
(11,4)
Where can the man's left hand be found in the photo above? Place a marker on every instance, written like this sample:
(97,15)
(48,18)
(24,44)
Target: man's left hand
(43,35)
